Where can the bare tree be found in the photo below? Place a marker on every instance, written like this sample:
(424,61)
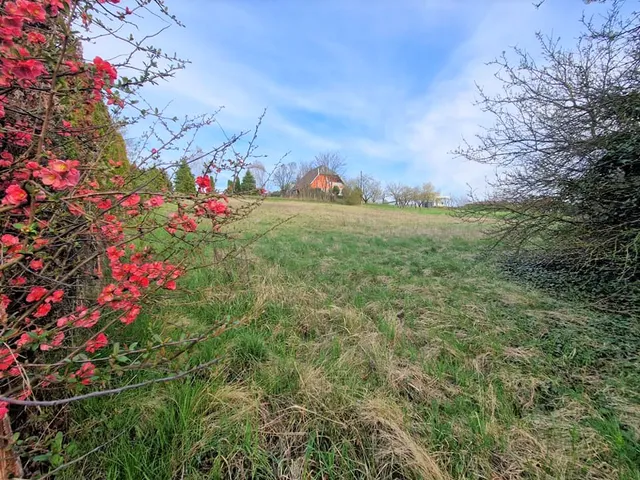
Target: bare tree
(333,161)
(371,188)
(259,173)
(402,195)
(302,168)
(567,140)
(284,176)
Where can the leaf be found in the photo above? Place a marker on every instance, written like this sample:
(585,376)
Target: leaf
(57,460)
(57,442)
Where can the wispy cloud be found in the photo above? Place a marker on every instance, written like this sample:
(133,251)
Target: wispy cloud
(390,84)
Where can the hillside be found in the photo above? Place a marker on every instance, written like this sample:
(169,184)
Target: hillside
(376,343)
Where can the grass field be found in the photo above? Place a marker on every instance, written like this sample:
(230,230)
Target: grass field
(375,343)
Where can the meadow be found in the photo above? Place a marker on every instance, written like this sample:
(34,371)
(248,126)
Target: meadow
(369,342)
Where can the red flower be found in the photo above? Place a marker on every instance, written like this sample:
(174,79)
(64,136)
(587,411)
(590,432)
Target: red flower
(217,207)
(107,294)
(170,285)
(49,177)
(84,321)
(104,204)
(204,184)
(131,315)
(36,37)
(36,264)
(6,159)
(14,195)
(4,409)
(43,310)
(55,297)
(59,166)
(36,293)
(131,200)
(84,373)
(9,240)
(23,340)
(18,281)
(118,181)
(28,69)
(105,68)
(74,67)
(31,10)
(73,177)
(56,342)
(60,174)
(114,254)
(6,359)
(154,201)
(97,343)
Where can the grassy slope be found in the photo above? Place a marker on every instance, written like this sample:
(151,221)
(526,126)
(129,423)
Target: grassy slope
(374,343)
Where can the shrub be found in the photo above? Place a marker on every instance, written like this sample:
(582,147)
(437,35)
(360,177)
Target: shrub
(353,196)
(566,141)
(86,242)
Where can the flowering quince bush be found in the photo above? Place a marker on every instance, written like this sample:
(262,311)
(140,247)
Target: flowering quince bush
(86,241)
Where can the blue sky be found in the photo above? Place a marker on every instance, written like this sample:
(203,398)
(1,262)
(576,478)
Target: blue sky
(388,83)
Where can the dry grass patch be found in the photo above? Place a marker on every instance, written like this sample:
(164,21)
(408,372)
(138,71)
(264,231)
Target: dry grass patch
(397,447)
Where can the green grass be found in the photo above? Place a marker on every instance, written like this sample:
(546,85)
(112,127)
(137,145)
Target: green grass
(375,343)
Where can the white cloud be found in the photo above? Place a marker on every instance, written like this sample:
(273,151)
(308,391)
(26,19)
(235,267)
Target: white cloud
(368,79)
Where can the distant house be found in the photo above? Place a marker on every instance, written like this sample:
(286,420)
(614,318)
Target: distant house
(319,179)
(442,201)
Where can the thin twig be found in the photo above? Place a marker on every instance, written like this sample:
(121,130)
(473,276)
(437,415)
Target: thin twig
(102,393)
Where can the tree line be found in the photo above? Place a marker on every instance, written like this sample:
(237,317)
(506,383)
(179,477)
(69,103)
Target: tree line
(283,179)
(370,190)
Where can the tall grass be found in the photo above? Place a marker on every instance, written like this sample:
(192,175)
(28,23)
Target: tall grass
(373,343)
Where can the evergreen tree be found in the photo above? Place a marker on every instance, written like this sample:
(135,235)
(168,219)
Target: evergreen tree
(229,190)
(248,183)
(237,187)
(185,181)
(151,179)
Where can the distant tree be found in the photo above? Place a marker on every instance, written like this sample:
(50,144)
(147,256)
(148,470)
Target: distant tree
(152,179)
(353,196)
(333,161)
(427,195)
(237,186)
(284,176)
(302,168)
(259,173)
(335,190)
(248,184)
(229,189)
(185,182)
(395,191)
(371,188)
